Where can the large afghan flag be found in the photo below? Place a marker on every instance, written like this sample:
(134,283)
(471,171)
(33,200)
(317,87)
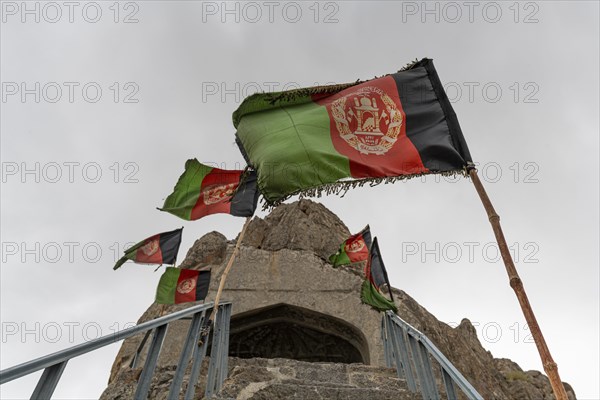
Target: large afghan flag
(178,285)
(354,249)
(375,277)
(203,190)
(330,138)
(158,249)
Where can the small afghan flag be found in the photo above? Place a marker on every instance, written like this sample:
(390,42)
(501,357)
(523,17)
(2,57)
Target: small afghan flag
(331,138)
(203,190)
(157,249)
(178,285)
(375,276)
(354,249)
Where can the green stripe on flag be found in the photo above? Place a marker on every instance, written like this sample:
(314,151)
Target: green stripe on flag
(369,295)
(130,254)
(187,190)
(165,292)
(259,102)
(296,154)
(341,257)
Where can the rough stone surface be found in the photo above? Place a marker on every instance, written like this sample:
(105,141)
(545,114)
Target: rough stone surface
(291,379)
(281,277)
(271,379)
(304,225)
(210,249)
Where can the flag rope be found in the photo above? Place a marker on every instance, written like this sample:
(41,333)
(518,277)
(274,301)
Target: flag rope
(515,282)
(227,268)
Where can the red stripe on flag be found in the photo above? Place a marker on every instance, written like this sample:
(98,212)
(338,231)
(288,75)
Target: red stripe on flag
(368,125)
(215,193)
(368,274)
(186,286)
(150,252)
(356,248)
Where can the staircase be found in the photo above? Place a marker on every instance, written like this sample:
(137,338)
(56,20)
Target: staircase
(270,379)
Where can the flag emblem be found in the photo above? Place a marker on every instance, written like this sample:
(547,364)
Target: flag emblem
(368,119)
(186,285)
(355,246)
(219,193)
(151,247)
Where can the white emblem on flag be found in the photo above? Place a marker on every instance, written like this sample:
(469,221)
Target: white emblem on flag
(186,286)
(151,247)
(355,246)
(368,120)
(218,193)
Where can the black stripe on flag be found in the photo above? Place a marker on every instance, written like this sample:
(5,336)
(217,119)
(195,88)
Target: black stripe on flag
(202,285)
(169,245)
(378,273)
(366,234)
(245,199)
(431,123)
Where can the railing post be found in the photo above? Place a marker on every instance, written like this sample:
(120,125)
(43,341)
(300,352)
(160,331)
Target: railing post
(199,353)
(416,357)
(397,356)
(225,345)
(384,340)
(430,380)
(136,356)
(215,364)
(449,384)
(404,353)
(143,386)
(186,351)
(48,381)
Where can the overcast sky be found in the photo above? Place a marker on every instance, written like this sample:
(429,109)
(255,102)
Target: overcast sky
(102,103)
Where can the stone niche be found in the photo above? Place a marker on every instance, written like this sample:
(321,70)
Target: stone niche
(287,331)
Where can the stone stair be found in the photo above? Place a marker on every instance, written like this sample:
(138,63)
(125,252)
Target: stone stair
(271,379)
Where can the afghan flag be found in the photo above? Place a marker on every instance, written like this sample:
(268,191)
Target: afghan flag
(158,249)
(354,249)
(203,190)
(375,276)
(178,285)
(331,138)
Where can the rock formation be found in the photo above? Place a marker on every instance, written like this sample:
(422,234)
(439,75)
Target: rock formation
(299,330)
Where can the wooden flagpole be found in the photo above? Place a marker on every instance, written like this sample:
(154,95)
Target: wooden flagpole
(227,268)
(515,282)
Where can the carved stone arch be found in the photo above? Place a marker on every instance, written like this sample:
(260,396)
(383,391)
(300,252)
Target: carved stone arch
(287,331)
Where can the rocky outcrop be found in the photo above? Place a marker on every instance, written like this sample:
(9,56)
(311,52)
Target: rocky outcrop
(304,225)
(527,385)
(209,250)
(282,285)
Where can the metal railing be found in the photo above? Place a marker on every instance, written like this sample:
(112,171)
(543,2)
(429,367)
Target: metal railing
(410,350)
(195,346)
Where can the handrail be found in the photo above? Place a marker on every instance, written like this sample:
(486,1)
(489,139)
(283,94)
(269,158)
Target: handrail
(410,349)
(54,363)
